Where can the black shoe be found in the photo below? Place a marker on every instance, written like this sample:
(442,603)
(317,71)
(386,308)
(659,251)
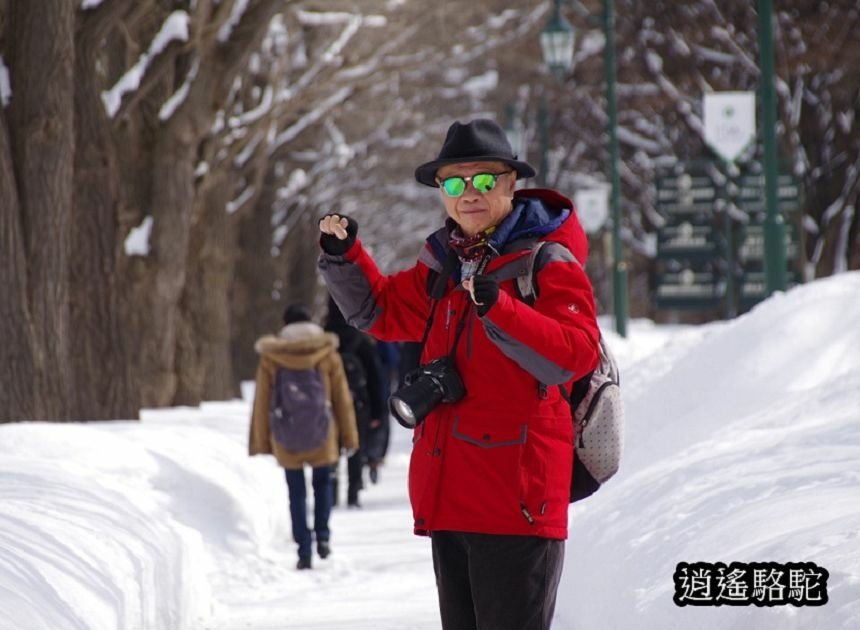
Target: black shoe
(352,498)
(304,563)
(323,549)
(352,502)
(374,475)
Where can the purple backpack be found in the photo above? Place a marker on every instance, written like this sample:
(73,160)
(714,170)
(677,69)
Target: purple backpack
(300,411)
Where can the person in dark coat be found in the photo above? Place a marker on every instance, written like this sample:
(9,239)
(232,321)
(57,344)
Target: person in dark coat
(388,355)
(492,454)
(358,352)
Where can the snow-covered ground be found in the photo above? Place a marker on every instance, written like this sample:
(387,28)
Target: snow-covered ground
(743,444)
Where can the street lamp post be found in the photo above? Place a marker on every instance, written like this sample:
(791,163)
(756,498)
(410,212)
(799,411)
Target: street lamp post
(619,267)
(543,135)
(557,43)
(774,229)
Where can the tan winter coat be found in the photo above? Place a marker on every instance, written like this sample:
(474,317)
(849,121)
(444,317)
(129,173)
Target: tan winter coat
(302,345)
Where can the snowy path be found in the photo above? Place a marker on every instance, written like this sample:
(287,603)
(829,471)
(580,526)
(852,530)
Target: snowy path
(742,444)
(378,577)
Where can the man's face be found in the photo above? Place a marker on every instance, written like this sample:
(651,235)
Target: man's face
(475,211)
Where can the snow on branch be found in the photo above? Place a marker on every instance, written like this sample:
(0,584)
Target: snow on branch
(714,56)
(241,200)
(178,97)
(253,115)
(328,57)
(314,18)
(310,118)
(483,44)
(654,62)
(724,35)
(137,241)
(175,28)
(236,12)
(333,51)
(90,4)
(638,141)
(5,85)
(382,56)
(248,152)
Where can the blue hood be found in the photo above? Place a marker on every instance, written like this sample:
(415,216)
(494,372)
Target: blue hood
(530,217)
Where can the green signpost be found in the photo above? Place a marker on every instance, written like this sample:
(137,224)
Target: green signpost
(711,249)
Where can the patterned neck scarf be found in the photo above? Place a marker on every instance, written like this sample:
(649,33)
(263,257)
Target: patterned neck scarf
(471,250)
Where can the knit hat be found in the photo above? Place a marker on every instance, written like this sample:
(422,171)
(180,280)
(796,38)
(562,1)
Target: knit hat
(296,313)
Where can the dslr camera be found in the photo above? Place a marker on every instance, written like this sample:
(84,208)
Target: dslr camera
(423,389)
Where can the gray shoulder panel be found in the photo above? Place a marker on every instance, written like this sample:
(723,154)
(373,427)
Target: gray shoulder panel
(350,289)
(427,257)
(554,252)
(531,361)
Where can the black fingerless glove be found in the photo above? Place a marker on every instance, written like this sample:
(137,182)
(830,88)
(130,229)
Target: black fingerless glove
(335,246)
(486,293)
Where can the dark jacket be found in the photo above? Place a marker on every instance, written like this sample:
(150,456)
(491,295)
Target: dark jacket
(369,403)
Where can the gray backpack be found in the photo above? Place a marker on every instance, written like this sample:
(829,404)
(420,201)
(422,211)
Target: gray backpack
(300,411)
(595,405)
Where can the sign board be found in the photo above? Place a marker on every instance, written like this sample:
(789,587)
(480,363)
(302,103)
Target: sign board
(686,241)
(752,244)
(690,289)
(754,287)
(592,208)
(751,193)
(682,196)
(729,120)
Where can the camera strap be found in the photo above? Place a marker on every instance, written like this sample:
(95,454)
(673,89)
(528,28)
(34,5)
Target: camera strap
(461,326)
(437,292)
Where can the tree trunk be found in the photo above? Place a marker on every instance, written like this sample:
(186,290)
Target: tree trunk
(43,144)
(255,312)
(18,399)
(204,365)
(302,251)
(99,346)
(166,266)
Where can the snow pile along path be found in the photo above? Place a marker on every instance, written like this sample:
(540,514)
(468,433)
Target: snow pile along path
(743,445)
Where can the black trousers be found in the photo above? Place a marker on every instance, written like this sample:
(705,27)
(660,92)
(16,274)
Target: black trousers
(492,582)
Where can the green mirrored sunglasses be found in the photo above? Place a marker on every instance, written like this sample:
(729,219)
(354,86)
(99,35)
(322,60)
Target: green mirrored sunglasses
(483,182)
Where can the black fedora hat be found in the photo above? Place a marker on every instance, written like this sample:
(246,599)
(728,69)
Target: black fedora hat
(480,140)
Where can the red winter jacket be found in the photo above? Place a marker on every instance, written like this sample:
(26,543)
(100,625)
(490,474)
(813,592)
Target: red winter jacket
(499,460)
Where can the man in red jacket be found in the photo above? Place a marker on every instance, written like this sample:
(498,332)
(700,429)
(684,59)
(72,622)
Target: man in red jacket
(489,477)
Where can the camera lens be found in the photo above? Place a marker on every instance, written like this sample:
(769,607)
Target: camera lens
(425,388)
(402,412)
(411,404)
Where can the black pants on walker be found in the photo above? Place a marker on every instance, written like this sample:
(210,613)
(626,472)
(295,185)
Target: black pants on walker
(492,582)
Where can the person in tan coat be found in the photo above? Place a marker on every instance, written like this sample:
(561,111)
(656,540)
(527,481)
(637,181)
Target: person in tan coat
(301,345)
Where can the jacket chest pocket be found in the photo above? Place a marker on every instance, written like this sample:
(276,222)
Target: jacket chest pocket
(488,436)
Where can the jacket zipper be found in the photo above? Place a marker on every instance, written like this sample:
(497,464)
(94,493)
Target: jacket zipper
(472,317)
(526,513)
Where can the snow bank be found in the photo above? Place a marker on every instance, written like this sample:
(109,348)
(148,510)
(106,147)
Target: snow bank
(743,442)
(742,445)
